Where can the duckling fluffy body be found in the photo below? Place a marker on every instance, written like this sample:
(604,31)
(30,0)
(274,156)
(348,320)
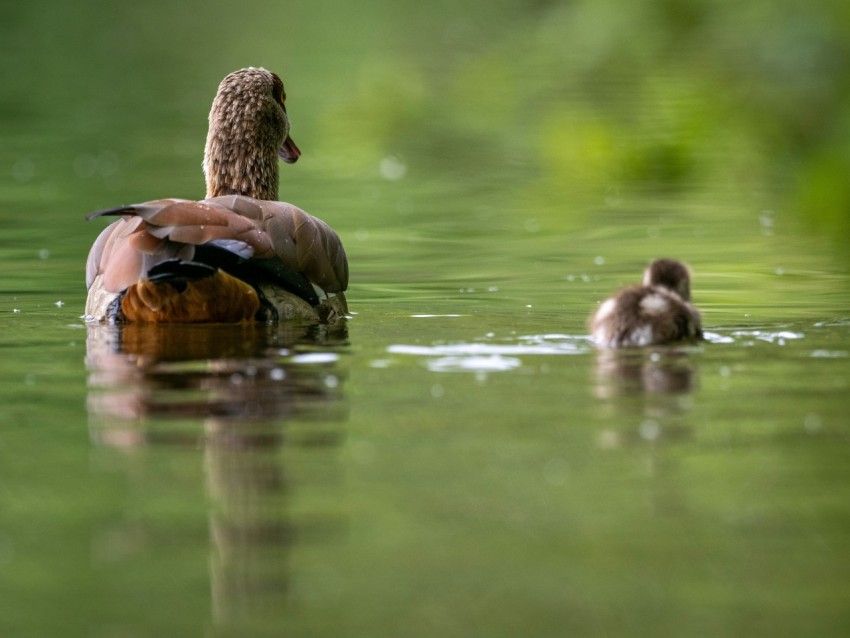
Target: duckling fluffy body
(237,255)
(658,311)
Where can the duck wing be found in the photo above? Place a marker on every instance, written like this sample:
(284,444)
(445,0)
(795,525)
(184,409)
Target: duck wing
(272,240)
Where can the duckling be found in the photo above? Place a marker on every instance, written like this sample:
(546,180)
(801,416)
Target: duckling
(237,255)
(656,312)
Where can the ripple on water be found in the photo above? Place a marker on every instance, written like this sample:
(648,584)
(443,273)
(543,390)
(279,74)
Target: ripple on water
(477,363)
(829,354)
(840,322)
(490,357)
(750,337)
(778,337)
(315,358)
(499,356)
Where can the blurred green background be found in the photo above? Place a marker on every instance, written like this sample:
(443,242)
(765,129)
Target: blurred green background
(559,103)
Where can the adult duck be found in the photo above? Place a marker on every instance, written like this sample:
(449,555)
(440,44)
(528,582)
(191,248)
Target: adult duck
(239,254)
(658,311)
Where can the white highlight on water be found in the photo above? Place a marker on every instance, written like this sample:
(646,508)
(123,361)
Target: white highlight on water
(315,357)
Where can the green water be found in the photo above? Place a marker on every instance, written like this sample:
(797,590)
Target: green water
(455,460)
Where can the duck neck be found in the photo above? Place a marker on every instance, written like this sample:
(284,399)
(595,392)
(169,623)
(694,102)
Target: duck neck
(236,164)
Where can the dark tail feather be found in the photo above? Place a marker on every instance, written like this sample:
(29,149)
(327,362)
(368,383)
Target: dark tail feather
(178,273)
(118,210)
(255,271)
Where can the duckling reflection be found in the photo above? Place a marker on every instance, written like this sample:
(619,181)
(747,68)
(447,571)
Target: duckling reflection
(231,390)
(648,391)
(630,372)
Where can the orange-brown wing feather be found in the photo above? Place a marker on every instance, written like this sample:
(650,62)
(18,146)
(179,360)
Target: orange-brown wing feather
(197,223)
(155,231)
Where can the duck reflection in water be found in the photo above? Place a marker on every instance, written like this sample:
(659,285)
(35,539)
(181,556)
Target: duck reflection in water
(225,371)
(240,384)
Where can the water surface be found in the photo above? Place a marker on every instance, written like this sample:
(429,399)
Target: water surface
(456,459)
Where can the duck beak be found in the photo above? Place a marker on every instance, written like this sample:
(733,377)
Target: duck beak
(288,152)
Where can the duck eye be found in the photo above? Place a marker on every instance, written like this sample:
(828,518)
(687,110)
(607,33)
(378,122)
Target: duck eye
(277,91)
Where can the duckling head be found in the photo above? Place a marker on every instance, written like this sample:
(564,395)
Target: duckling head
(671,274)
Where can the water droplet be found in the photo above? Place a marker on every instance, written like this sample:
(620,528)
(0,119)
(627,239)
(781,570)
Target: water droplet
(812,423)
(608,439)
(649,430)
(392,168)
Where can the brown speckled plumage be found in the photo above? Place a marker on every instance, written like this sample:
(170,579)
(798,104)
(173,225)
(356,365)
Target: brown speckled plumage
(248,131)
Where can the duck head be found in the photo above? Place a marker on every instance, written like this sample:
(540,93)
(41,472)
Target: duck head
(671,274)
(248,133)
